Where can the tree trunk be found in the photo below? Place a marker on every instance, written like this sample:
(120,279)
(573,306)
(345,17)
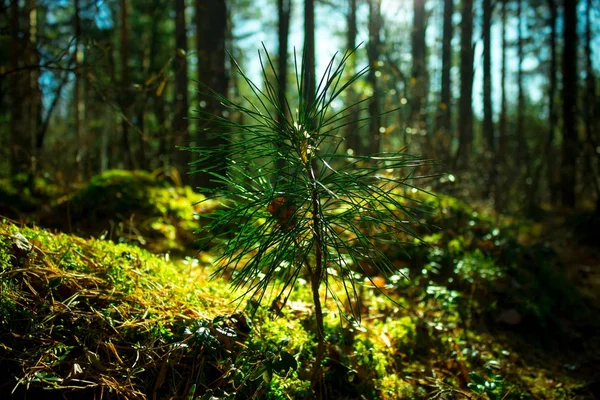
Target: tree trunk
(419,68)
(373,50)
(284,8)
(33,100)
(569,94)
(488,122)
(522,148)
(19,161)
(309,53)
(125,100)
(77,102)
(353,141)
(180,129)
(211,33)
(465,112)
(548,158)
(444,117)
(592,156)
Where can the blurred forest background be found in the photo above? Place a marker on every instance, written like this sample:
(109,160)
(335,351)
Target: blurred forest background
(502,92)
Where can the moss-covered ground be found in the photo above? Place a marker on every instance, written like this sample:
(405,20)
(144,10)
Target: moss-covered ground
(492,308)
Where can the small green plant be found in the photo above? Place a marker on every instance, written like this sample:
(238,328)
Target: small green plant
(490,385)
(294,205)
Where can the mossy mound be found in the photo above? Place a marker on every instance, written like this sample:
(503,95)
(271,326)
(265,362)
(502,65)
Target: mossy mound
(134,207)
(88,318)
(21,196)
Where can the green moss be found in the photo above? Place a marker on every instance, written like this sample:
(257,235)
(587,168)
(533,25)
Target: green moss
(391,387)
(134,207)
(288,388)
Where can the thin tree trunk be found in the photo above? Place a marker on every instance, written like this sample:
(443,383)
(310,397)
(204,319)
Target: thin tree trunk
(592,156)
(373,55)
(284,8)
(548,158)
(522,148)
(309,53)
(211,26)
(444,117)
(569,94)
(419,67)
(33,100)
(125,87)
(18,146)
(465,113)
(353,141)
(180,123)
(78,104)
(488,122)
(501,158)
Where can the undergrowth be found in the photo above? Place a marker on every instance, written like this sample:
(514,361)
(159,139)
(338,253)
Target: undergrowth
(482,316)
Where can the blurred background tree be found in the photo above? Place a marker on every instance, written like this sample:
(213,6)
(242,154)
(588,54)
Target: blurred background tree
(503,92)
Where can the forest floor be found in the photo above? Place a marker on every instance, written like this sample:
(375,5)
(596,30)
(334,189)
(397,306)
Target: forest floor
(122,306)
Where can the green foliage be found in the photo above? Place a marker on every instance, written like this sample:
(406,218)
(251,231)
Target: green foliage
(491,384)
(292,201)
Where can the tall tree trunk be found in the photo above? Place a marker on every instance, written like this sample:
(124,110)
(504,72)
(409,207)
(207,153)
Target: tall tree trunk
(591,104)
(444,115)
(373,51)
(125,100)
(180,123)
(501,164)
(465,112)
(19,161)
(309,53)
(569,94)
(353,141)
(488,122)
(77,101)
(419,67)
(522,148)
(33,100)
(548,158)
(211,32)
(284,8)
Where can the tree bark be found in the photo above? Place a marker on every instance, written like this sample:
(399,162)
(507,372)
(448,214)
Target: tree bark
(444,117)
(33,100)
(592,156)
(125,95)
(569,94)
(465,112)
(284,8)
(211,32)
(19,161)
(488,122)
(181,133)
(419,67)
(309,53)
(353,141)
(78,105)
(522,148)
(373,52)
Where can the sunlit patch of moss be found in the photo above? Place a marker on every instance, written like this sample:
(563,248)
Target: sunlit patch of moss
(371,354)
(288,388)
(135,207)
(392,387)
(284,330)
(100,305)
